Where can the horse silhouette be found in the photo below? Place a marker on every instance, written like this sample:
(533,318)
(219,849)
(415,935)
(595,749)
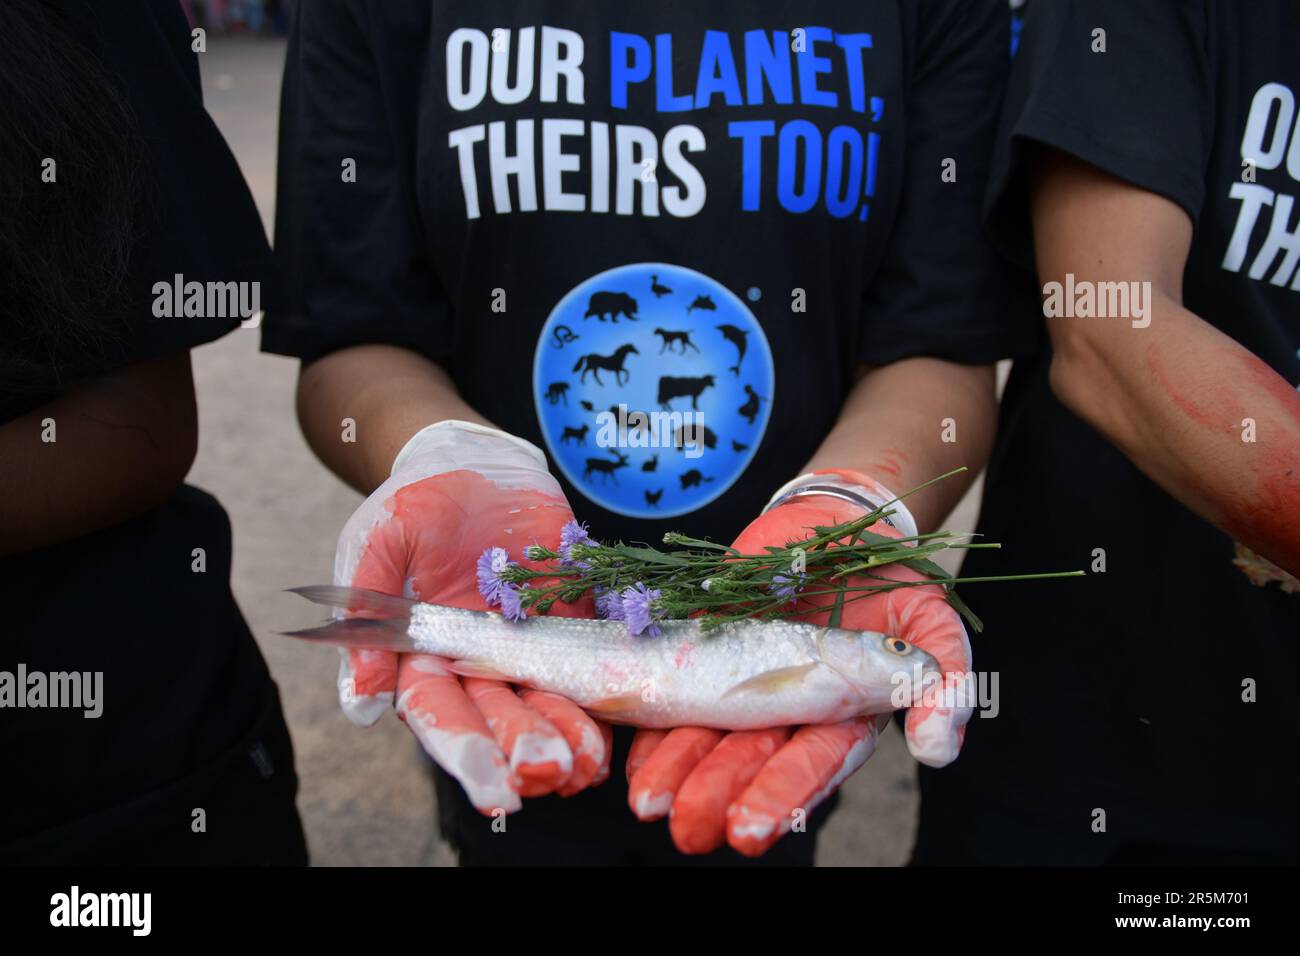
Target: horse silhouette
(594,364)
(557,391)
(578,434)
(681,338)
(605,467)
(659,290)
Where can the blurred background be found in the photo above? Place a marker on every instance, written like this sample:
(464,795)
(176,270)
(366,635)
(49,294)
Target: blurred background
(364,794)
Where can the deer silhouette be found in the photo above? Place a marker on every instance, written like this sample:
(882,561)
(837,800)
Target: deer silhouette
(605,467)
(594,364)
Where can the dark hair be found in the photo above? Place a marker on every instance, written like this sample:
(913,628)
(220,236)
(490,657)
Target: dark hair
(65,247)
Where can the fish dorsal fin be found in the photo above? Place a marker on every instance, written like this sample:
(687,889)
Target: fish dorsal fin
(773,681)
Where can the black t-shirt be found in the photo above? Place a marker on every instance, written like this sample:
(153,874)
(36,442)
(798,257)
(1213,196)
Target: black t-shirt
(1126,691)
(578,206)
(182,680)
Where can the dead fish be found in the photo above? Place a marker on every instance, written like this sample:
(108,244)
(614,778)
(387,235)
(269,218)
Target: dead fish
(743,675)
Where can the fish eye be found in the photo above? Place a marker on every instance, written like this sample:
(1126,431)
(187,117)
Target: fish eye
(897,645)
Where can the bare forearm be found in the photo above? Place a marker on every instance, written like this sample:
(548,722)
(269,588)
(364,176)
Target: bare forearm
(1199,414)
(910,421)
(107,452)
(360,405)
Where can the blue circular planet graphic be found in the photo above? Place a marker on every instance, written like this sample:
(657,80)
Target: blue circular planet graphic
(653,386)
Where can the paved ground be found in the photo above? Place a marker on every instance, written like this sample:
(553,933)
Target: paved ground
(364,796)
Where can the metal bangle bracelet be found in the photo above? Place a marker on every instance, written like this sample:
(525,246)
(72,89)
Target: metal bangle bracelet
(834,491)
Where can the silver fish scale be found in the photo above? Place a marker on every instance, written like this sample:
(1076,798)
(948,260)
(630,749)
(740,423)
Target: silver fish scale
(681,677)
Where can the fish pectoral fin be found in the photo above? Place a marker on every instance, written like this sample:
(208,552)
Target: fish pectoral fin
(614,707)
(770,682)
(464,668)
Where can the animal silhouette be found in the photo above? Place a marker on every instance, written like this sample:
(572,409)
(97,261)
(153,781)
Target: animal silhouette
(686,435)
(650,465)
(557,392)
(749,410)
(681,338)
(594,364)
(652,497)
(659,290)
(605,467)
(563,336)
(611,304)
(692,479)
(635,421)
(578,434)
(737,446)
(702,302)
(739,338)
(587,405)
(671,386)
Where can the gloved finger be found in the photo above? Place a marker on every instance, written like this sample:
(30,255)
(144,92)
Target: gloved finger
(936,722)
(643,745)
(581,732)
(452,731)
(367,683)
(539,756)
(651,790)
(803,773)
(607,733)
(698,821)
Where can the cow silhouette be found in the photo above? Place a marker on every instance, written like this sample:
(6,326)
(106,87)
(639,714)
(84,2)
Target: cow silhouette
(671,386)
(686,436)
(605,467)
(702,302)
(611,304)
(578,434)
(681,338)
(692,479)
(594,364)
(651,464)
(557,392)
(652,497)
(749,410)
(659,290)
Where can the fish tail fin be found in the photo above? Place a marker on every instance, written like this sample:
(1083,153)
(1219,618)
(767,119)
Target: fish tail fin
(385,629)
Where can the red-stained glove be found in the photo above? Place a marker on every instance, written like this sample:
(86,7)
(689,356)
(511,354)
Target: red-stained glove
(457,489)
(749,787)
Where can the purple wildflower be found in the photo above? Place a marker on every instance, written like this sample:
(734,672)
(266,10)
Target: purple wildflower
(572,534)
(491,564)
(609,605)
(639,609)
(787,588)
(512,608)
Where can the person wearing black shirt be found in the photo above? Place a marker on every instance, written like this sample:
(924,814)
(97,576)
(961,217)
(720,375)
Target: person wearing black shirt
(138,721)
(1152,151)
(501,222)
